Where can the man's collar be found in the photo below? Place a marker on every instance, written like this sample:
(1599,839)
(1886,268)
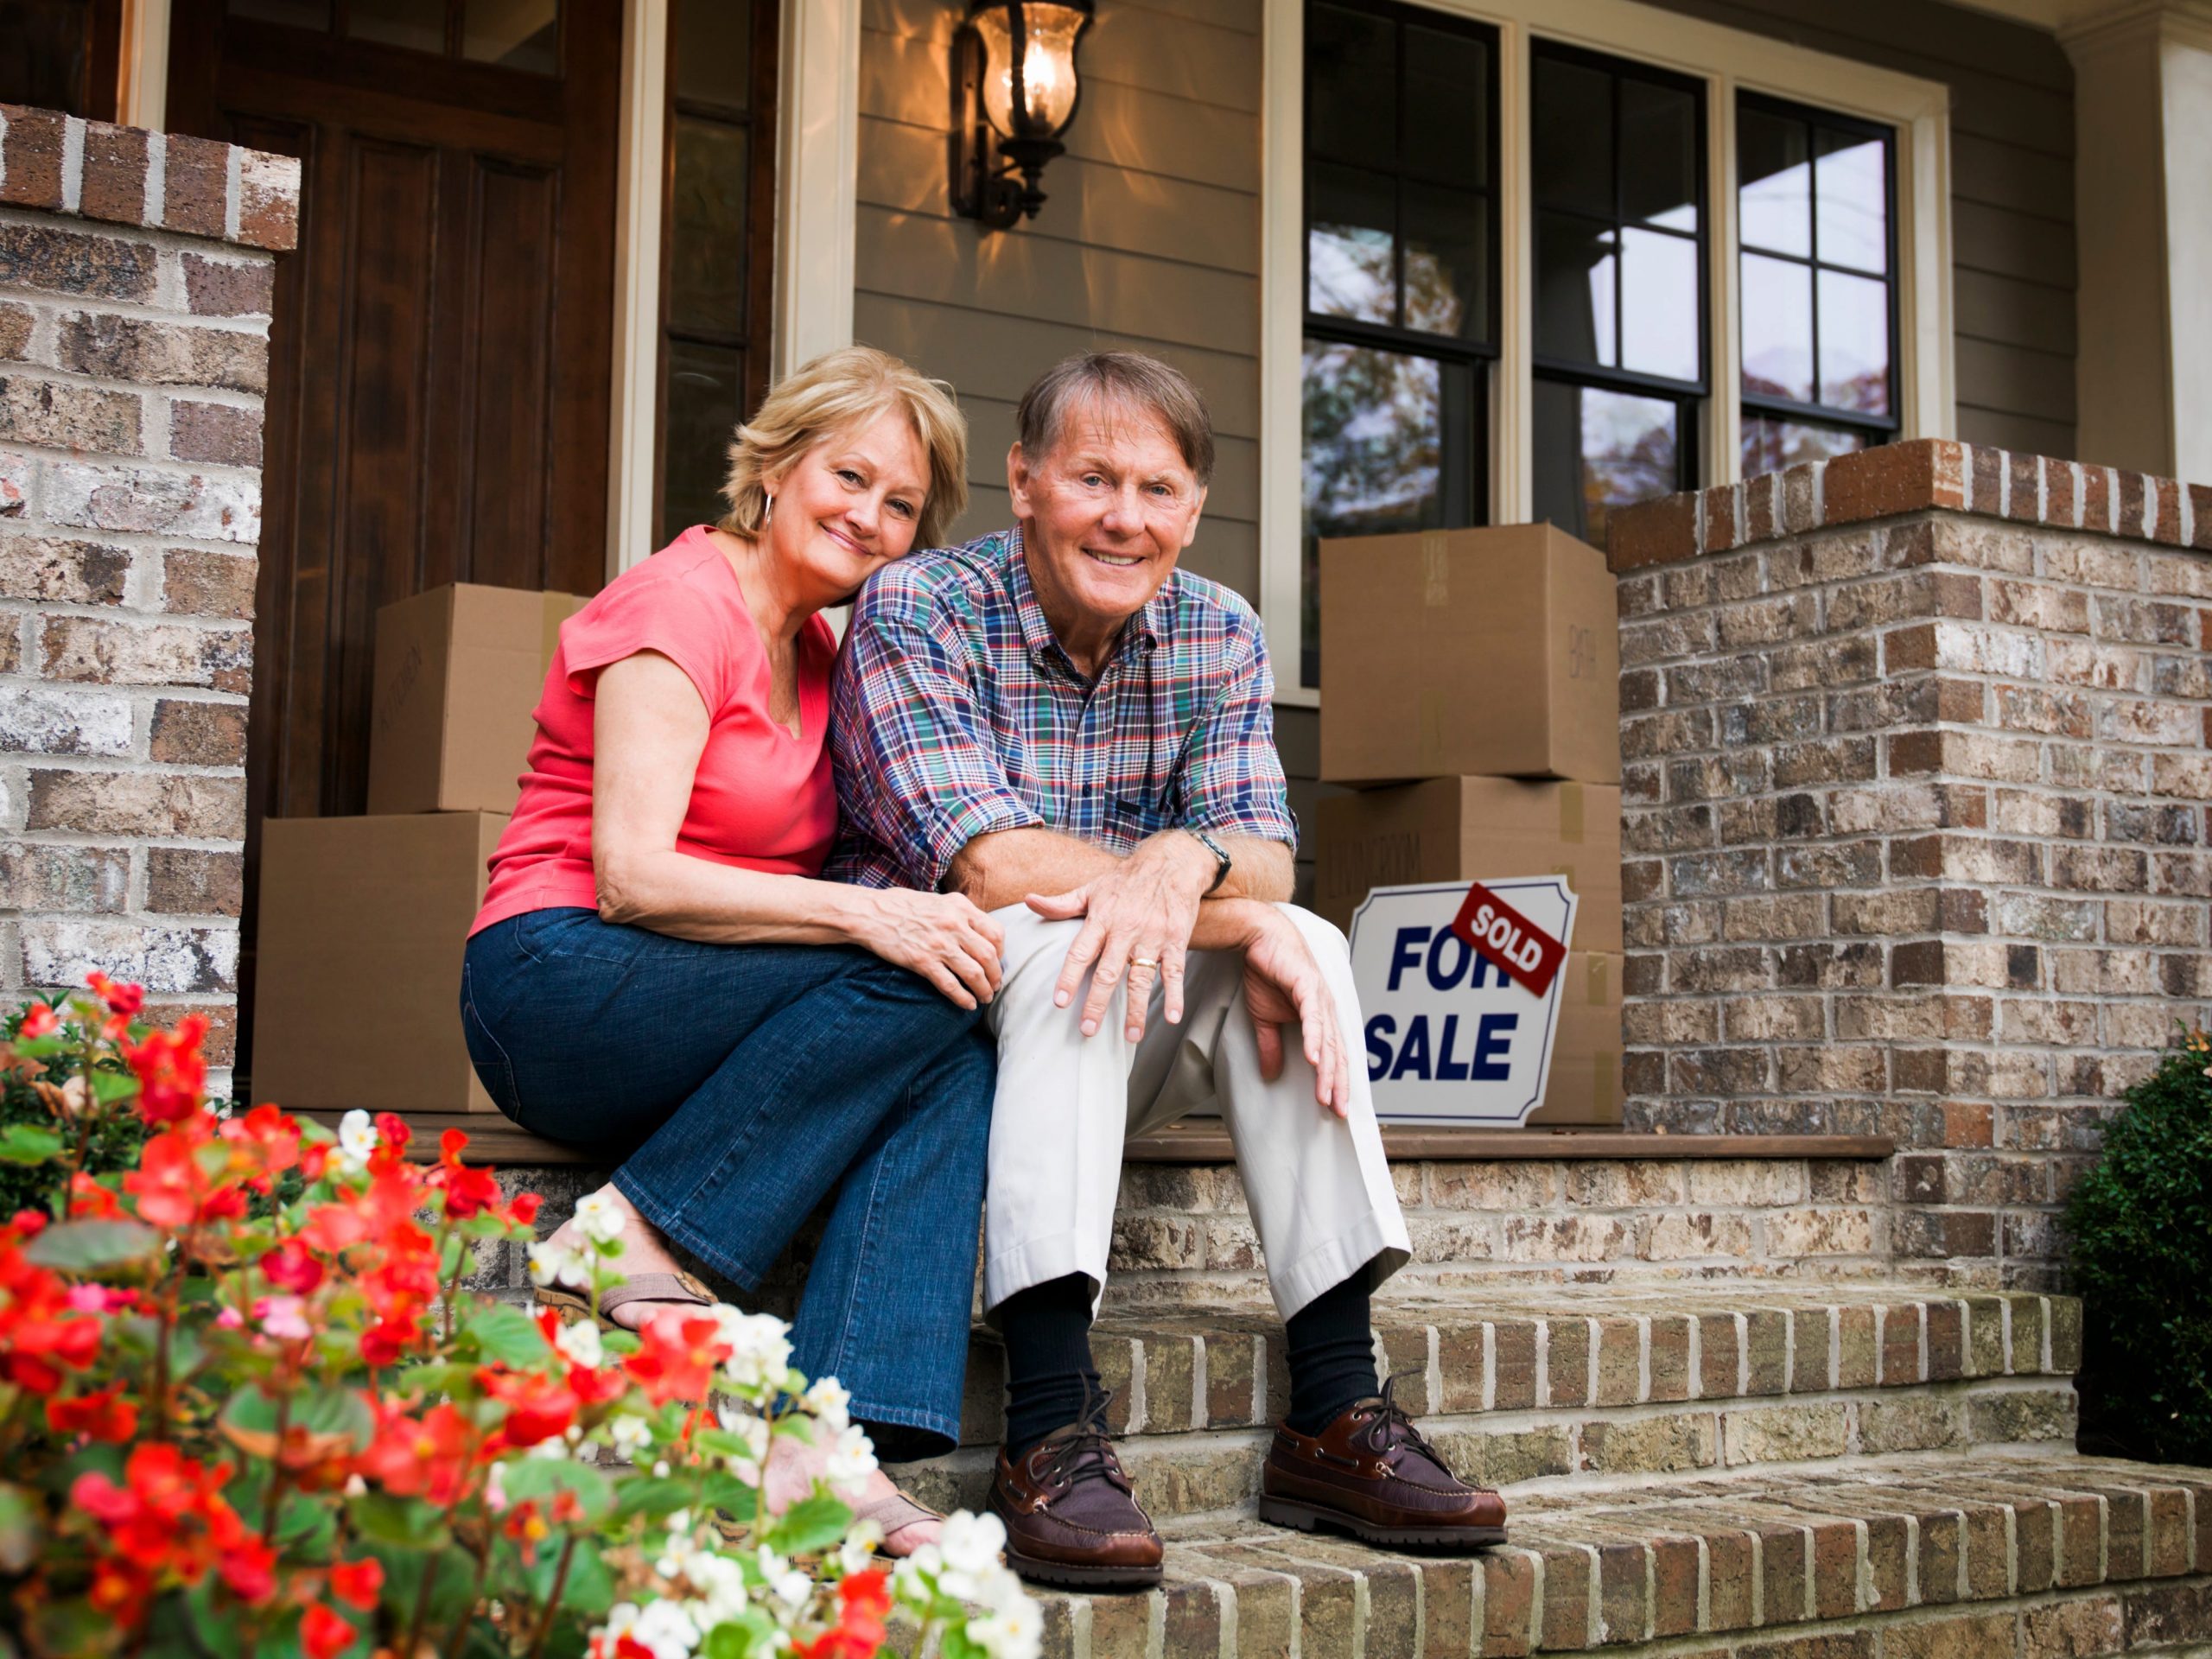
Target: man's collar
(1146,629)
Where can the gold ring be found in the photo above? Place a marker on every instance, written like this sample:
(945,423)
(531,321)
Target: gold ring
(1144,962)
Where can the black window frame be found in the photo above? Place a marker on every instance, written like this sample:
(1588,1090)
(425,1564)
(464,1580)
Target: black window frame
(1688,396)
(1880,429)
(1477,356)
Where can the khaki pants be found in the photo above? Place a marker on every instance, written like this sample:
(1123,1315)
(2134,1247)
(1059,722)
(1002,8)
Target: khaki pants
(1317,1185)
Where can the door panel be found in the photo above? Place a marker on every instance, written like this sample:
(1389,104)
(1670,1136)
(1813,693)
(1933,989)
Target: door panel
(440,357)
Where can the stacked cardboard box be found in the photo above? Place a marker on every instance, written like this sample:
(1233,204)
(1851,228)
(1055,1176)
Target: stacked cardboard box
(358,977)
(1471,699)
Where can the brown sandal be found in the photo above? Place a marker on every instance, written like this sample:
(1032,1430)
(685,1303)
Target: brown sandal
(637,1288)
(894,1512)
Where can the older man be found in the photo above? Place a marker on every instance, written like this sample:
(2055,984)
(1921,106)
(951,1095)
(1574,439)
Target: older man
(1059,723)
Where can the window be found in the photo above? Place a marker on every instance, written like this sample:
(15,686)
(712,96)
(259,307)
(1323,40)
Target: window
(61,54)
(1616,170)
(715,275)
(1815,200)
(1504,279)
(1401,290)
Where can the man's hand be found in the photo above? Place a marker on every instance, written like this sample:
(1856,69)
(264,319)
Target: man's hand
(1283,984)
(1137,922)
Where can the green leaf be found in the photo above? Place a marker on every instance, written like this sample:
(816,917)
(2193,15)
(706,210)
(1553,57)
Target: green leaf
(40,1048)
(953,1643)
(108,1087)
(751,1633)
(811,1524)
(334,1419)
(27,1143)
(21,1519)
(400,1523)
(732,1497)
(541,1477)
(504,1332)
(654,1495)
(214,1625)
(93,1246)
(453,1576)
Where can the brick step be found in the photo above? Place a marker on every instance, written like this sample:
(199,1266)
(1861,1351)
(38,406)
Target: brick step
(1563,1385)
(1904,1558)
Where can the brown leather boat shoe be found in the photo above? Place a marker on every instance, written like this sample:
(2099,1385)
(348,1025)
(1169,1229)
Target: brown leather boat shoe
(1071,1518)
(1370,1473)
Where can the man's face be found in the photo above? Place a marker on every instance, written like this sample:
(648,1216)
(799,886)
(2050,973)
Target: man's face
(1106,512)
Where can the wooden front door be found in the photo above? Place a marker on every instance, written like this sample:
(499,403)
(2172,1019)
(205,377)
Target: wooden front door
(440,353)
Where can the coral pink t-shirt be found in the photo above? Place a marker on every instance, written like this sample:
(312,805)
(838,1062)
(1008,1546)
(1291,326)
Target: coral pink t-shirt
(761,799)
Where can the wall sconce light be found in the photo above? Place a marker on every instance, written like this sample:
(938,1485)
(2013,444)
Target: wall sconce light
(1013,92)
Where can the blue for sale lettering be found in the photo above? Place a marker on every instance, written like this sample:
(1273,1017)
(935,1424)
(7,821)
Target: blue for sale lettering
(1489,1061)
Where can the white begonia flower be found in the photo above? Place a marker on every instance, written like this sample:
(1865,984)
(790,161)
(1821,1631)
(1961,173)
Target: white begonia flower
(788,1585)
(759,1346)
(356,1139)
(663,1627)
(720,1583)
(829,1400)
(911,1575)
(495,1489)
(579,1340)
(857,1552)
(971,1544)
(552,1264)
(850,1462)
(600,1219)
(631,1434)
(1014,1631)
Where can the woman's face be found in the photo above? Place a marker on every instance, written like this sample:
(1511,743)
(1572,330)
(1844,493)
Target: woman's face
(850,504)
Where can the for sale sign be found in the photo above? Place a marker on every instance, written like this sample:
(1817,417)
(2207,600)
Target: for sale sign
(1459,988)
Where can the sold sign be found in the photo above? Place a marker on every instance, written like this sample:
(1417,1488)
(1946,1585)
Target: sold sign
(1504,937)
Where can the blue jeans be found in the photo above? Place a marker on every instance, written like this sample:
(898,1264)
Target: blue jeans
(737,1086)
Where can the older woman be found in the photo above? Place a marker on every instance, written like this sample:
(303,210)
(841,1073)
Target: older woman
(659,975)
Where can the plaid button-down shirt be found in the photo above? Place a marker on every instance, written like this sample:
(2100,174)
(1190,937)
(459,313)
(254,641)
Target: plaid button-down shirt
(958,714)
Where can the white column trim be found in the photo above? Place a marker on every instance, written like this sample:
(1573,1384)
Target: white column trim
(1513,399)
(640,165)
(1282,344)
(817,178)
(143,68)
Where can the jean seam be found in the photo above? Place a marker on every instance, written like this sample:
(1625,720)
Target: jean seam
(513,1104)
(868,1243)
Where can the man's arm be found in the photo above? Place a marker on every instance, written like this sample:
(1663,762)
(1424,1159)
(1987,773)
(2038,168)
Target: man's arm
(1009,866)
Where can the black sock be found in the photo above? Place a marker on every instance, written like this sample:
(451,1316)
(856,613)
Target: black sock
(1050,1377)
(1332,1353)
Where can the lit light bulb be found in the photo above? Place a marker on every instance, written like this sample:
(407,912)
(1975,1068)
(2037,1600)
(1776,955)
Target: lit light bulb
(1048,82)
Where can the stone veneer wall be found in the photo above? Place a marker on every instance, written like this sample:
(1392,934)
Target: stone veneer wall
(1917,745)
(135,276)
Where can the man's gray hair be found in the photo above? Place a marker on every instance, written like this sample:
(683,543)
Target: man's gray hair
(1128,380)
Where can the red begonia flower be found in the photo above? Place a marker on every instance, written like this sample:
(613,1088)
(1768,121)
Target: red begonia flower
(323,1634)
(104,1416)
(357,1582)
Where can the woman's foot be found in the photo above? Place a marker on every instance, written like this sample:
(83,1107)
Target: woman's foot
(793,1467)
(643,1251)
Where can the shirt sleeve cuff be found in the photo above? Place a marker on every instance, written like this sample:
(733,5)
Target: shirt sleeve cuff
(977,816)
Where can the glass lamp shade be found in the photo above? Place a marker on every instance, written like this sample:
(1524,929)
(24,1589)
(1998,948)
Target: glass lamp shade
(1037,40)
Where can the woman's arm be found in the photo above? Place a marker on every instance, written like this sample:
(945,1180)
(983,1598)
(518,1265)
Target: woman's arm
(649,728)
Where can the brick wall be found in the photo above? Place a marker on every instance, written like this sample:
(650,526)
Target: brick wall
(1917,746)
(135,275)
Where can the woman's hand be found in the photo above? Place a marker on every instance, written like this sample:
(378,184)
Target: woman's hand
(941,935)
(1283,985)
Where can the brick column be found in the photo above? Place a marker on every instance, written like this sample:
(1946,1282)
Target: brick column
(1917,746)
(135,275)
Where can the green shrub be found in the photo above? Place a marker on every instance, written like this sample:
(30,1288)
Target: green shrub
(2140,1224)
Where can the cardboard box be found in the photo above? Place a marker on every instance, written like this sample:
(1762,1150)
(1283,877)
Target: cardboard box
(356,984)
(1474,830)
(1584,1085)
(1451,653)
(459,671)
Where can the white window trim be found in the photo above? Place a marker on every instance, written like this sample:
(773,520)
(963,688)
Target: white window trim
(817,184)
(1726,59)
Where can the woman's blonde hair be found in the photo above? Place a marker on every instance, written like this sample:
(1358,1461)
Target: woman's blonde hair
(840,391)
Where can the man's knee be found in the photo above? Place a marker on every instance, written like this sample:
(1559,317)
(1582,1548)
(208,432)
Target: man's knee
(1323,938)
(1035,950)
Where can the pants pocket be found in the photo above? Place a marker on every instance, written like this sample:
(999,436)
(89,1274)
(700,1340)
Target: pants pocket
(494,1069)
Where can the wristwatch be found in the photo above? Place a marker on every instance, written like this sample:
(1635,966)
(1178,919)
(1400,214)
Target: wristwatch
(1221,859)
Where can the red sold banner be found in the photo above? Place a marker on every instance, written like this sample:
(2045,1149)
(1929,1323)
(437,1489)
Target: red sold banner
(1503,936)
